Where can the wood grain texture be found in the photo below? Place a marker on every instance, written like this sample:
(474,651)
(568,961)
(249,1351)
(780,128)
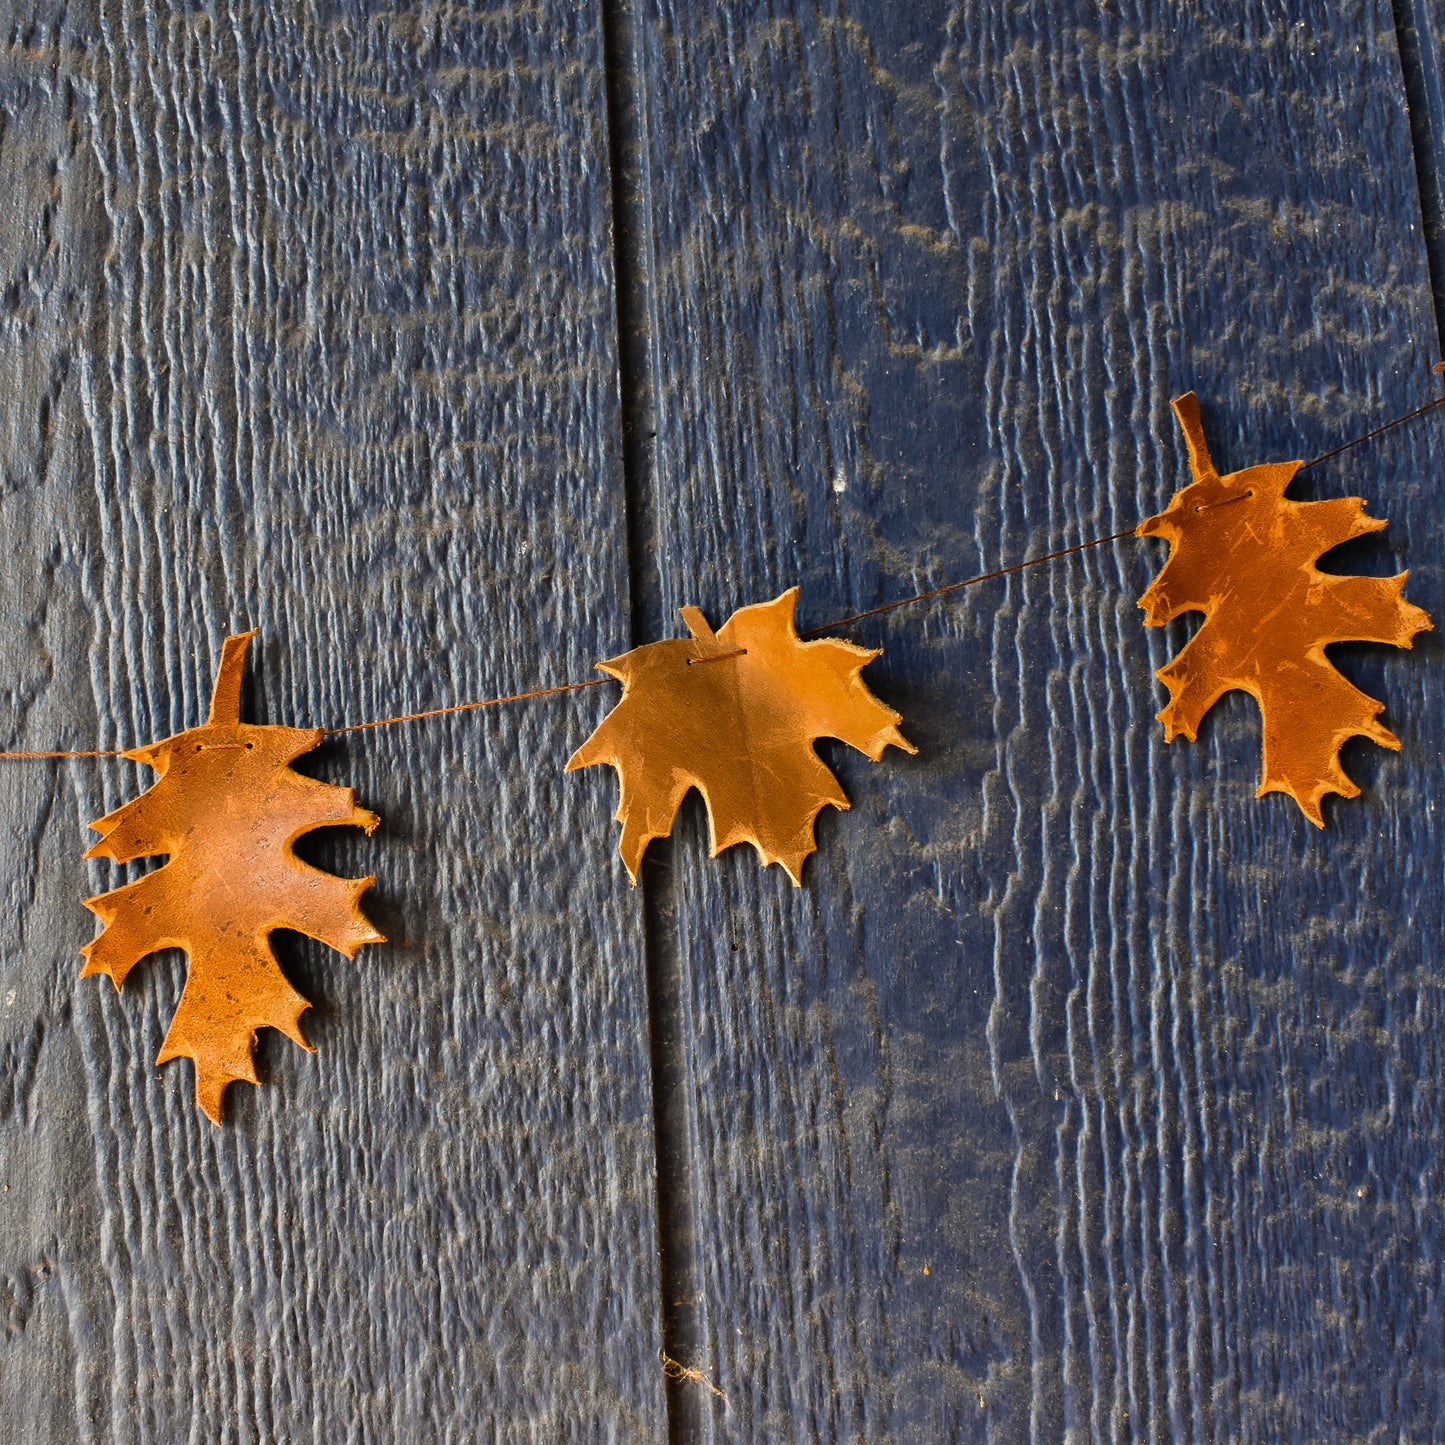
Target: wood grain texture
(1420,34)
(306,323)
(1078,1095)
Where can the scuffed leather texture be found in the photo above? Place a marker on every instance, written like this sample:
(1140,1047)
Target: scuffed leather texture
(227,808)
(735,714)
(1243,553)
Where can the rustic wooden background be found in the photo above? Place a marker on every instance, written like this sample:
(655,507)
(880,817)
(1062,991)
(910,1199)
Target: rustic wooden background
(1078,1095)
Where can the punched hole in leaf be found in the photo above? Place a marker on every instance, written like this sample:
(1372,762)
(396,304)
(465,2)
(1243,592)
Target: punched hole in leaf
(702,632)
(1210,506)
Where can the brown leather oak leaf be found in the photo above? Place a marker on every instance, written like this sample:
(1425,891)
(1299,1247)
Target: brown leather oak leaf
(1243,553)
(734,713)
(227,808)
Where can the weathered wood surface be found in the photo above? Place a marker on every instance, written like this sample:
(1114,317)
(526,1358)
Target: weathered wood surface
(1420,32)
(306,322)
(1078,1095)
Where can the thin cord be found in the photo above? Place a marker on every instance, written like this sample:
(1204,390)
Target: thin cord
(95,753)
(386,722)
(811,632)
(1370,435)
(1113,536)
(968,582)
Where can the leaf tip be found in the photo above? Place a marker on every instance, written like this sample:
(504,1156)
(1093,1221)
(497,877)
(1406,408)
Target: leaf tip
(94,966)
(230,673)
(697,624)
(1173,727)
(209,1100)
(897,740)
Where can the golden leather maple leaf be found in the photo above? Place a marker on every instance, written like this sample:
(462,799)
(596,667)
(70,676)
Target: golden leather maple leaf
(227,809)
(1243,553)
(735,714)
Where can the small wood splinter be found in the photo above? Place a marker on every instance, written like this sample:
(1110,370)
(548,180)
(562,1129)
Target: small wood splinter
(1243,554)
(226,808)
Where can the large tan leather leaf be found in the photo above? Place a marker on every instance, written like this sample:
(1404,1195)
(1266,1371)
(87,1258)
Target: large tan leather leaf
(1243,553)
(226,808)
(735,714)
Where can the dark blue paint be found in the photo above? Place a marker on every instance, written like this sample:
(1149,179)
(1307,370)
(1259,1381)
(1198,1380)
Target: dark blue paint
(320,307)
(1078,1094)
(1065,1017)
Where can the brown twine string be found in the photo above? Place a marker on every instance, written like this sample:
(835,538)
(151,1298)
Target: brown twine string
(1379,430)
(385,722)
(969,582)
(93,753)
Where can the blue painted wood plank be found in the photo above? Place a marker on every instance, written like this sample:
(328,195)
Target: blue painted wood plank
(1420,31)
(1078,1095)
(306,323)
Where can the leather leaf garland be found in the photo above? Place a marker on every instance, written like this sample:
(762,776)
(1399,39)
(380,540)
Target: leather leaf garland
(1243,553)
(227,808)
(734,713)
